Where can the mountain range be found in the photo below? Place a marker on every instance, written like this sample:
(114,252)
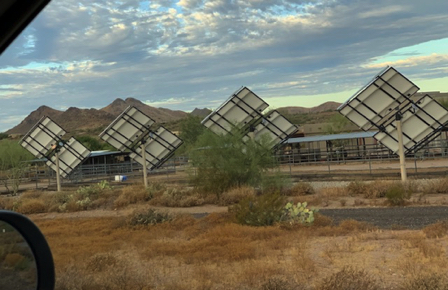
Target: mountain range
(75,119)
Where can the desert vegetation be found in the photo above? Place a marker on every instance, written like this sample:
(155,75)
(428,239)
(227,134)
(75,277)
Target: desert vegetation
(136,238)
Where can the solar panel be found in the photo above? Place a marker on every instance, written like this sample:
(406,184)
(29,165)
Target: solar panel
(421,122)
(379,99)
(160,145)
(71,154)
(275,126)
(45,138)
(240,109)
(131,129)
(388,96)
(42,135)
(128,128)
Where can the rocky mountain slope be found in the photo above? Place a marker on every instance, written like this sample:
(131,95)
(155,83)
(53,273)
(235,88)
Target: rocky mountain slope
(78,120)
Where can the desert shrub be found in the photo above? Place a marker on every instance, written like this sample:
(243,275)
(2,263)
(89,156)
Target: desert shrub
(176,197)
(378,189)
(302,188)
(357,188)
(224,161)
(264,210)
(432,281)
(436,230)
(236,194)
(85,197)
(397,194)
(349,279)
(276,182)
(132,195)
(435,186)
(155,189)
(147,217)
(6,203)
(32,205)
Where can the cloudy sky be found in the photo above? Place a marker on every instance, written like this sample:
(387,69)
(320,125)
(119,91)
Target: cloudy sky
(184,54)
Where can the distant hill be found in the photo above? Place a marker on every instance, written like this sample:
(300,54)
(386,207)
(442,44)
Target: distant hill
(75,119)
(201,112)
(325,107)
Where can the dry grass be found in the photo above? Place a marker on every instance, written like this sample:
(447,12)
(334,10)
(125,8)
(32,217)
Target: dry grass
(31,205)
(436,230)
(215,253)
(237,194)
(435,186)
(301,188)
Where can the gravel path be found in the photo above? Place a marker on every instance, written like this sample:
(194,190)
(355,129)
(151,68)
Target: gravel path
(393,217)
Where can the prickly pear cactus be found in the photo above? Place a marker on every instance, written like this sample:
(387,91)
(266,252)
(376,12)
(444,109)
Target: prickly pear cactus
(299,213)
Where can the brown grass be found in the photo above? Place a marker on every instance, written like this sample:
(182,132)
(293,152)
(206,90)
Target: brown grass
(215,253)
(301,188)
(234,195)
(31,205)
(436,230)
(435,186)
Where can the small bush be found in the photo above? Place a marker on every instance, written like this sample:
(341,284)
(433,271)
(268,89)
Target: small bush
(302,188)
(30,206)
(349,279)
(435,186)
(356,188)
(236,194)
(397,194)
(431,281)
(378,189)
(132,195)
(264,210)
(147,217)
(436,230)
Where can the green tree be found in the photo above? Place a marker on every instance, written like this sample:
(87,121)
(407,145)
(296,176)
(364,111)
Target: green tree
(13,164)
(224,161)
(191,129)
(94,144)
(3,136)
(338,124)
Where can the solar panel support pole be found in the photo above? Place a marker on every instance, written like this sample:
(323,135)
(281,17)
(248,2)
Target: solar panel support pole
(404,175)
(145,169)
(58,175)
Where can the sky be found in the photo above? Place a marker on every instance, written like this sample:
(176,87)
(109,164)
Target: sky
(190,54)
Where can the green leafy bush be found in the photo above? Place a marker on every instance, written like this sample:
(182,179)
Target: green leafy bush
(221,162)
(264,210)
(397,194)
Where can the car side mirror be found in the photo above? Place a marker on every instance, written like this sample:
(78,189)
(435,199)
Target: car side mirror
(26,261)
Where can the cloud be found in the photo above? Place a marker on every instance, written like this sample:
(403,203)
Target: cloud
(194,53)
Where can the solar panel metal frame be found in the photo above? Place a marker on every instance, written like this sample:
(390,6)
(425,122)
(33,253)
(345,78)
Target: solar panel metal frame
(241,108)
(162,139)
(51,134)
(378,99)
(424,113)
(272,125)
(71,154)
(130,127)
